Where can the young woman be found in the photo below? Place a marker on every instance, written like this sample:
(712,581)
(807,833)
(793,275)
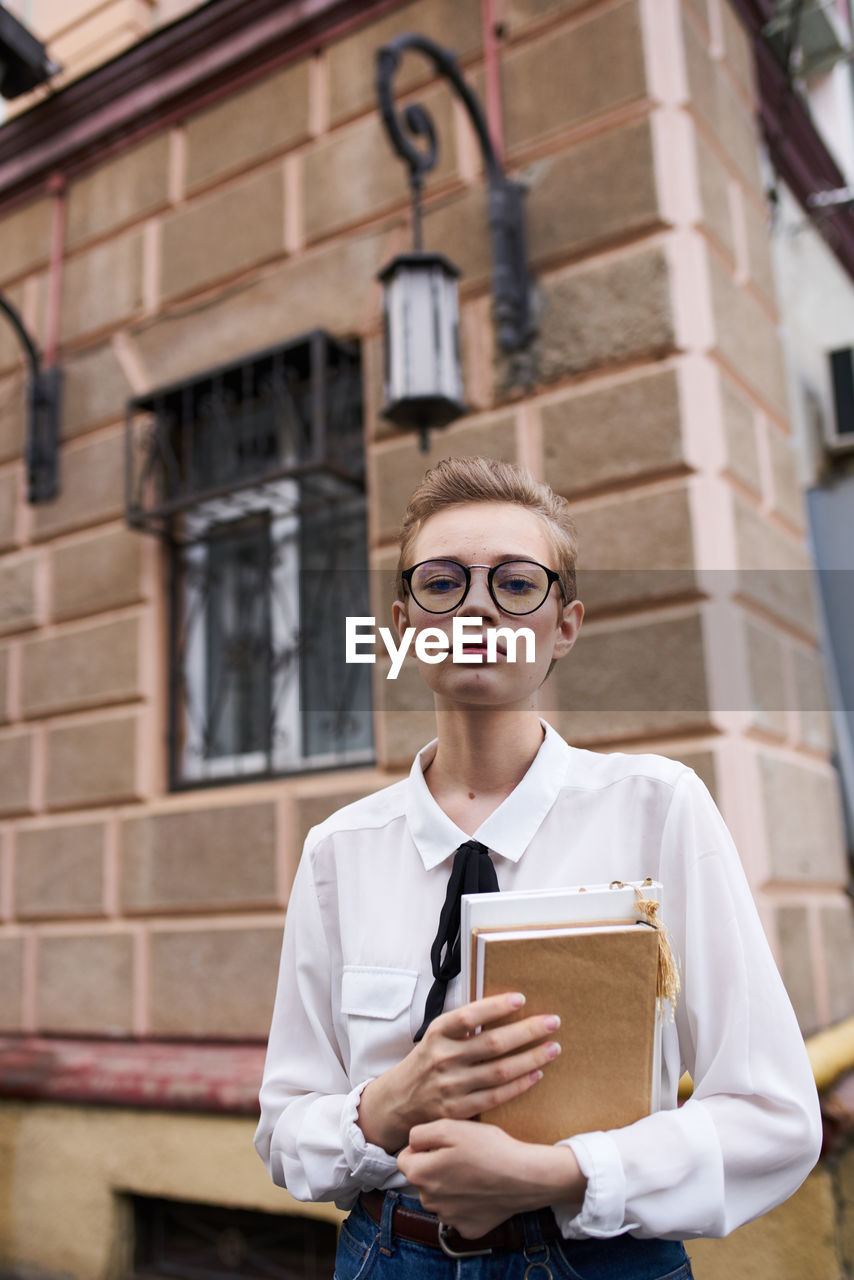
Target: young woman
(376,1070)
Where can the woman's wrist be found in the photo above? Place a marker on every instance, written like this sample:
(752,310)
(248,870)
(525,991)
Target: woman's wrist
(377,1116)
(551,1174)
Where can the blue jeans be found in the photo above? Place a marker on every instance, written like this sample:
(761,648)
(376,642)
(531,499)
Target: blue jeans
(370,1252)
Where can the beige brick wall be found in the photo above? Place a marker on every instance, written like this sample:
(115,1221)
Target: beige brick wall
(8,510)
(59,870)
(270,117)
(796,964)
(121,191)
(25,235)
(16,772)
(85,982)
(12,408)
(95,389)
(223,234)
(215,983)
(93,761)
(95,573)
(81,667)
(102,286)
(348,178)
(620,429)
(5,659)
(215,858)
(605,51)
(92,486)
(656,404)
(19,605)
(351,60)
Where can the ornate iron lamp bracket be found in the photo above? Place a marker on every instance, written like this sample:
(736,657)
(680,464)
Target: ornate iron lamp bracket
(510,277)
(42,416)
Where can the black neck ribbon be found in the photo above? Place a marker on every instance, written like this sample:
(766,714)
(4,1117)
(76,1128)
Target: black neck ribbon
(472,872)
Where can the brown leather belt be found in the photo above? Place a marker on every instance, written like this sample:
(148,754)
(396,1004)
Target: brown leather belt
(425,1228)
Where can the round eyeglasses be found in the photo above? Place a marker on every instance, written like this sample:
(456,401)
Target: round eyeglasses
(516,586)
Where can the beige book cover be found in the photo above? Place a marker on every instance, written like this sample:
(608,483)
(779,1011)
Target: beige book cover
(601,981)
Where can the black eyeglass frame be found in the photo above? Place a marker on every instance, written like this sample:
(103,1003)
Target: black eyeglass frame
(551,574)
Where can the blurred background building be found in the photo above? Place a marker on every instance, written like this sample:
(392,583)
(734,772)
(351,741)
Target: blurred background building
(193,212)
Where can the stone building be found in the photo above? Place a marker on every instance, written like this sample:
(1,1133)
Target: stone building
(191,224)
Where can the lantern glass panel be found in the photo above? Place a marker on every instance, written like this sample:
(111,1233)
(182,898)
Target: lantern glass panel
(422,331)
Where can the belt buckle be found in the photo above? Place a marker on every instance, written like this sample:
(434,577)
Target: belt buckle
(457,1253)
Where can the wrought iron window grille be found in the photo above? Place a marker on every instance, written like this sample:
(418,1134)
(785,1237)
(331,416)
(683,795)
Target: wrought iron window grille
(293,411)
(253,476)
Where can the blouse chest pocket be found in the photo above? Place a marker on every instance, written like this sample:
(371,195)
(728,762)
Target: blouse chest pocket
(377,1005)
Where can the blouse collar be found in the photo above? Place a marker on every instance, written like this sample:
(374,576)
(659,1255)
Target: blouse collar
(510,828)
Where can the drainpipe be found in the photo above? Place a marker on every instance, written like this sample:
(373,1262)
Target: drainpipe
(492,73)
(56,188)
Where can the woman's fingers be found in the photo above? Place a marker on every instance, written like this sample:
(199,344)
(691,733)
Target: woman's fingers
(433,1134)
(493,1042)
(487,1084)
(463,1022)
(466,1063)
(493,1072)
(485,1099)
(497,1042)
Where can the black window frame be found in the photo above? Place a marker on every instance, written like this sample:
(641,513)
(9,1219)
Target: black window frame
(269,446)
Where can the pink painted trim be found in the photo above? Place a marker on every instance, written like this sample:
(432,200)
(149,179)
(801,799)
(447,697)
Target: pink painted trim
(494,116)
(173,1076)
(56,186)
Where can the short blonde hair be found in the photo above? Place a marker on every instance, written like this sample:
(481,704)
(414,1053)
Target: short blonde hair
(455,481)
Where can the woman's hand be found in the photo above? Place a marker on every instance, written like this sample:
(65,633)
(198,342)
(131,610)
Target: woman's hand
(474,1176)
(456,1072)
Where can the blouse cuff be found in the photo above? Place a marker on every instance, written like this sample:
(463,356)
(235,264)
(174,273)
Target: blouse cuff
(604,1206)
(367,1162)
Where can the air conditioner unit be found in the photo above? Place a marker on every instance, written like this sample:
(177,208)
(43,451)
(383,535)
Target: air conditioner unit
(841,434)
(815,27)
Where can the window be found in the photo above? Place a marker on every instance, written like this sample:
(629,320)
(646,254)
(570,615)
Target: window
(206,1242)
(253,476)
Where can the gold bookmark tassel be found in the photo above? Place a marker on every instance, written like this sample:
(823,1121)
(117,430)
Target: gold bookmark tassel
(668,984)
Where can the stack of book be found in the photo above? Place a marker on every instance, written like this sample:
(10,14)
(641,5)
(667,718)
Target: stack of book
(587,954)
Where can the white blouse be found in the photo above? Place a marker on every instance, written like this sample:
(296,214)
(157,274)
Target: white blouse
(355,973)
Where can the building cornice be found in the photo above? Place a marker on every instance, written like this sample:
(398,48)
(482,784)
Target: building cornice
(211,51)
(796,148)
(169,1075)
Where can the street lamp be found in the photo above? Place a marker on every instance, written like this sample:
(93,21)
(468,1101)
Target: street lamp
(423,375)
(421,320)
(43,396)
